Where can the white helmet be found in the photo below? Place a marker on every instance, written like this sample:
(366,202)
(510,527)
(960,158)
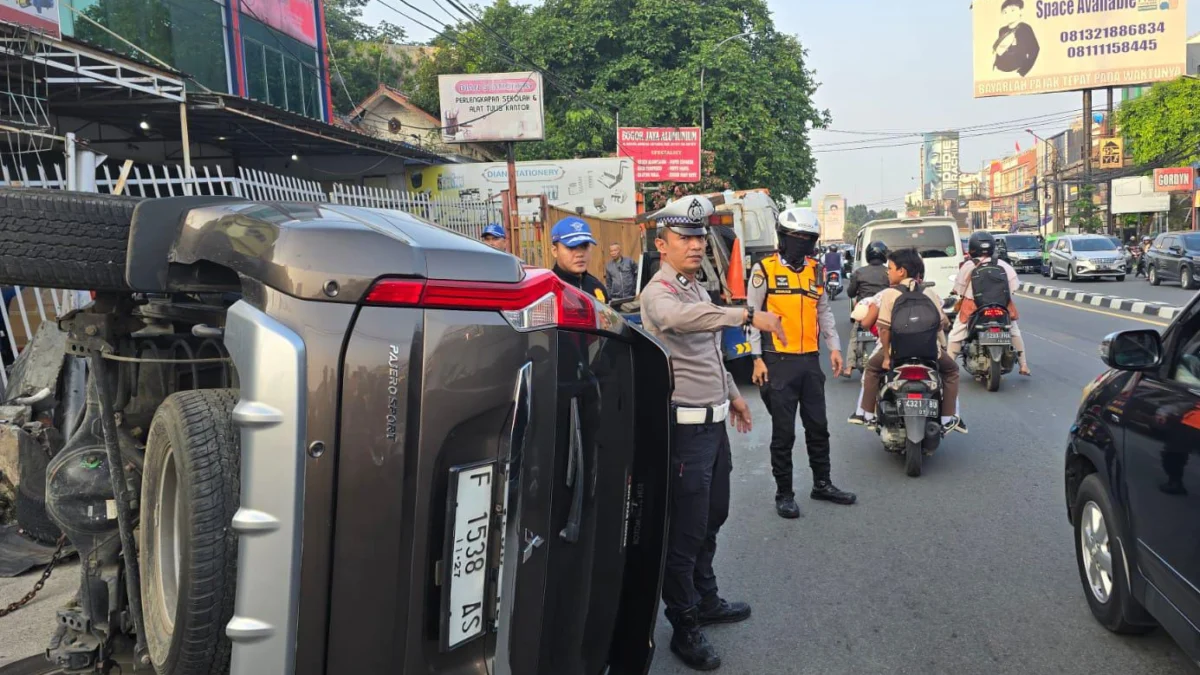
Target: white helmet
(799,220)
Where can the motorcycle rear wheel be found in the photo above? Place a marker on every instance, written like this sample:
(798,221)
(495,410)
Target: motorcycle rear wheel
(913,454)
(993,376)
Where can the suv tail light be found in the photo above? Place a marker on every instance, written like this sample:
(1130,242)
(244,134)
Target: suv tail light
(540,300)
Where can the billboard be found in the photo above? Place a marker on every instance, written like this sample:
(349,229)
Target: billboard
(1039,46)
(602,187)
(36,14)
(491,107)
(833,218)
(661,154)
(1137,195)
(979,206)
(294,18)
(1174,179)
(939,166)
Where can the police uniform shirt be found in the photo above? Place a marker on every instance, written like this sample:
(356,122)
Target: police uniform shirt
(584,282)
(677,311)
(756,297)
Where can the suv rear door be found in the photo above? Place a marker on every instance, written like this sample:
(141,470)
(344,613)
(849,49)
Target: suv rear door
(1162,472)
(501,490)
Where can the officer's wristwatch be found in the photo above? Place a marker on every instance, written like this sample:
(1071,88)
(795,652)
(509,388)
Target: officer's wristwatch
(749,316)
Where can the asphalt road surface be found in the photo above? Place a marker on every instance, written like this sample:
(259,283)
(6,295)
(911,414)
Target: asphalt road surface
(1137,288)
(967,569)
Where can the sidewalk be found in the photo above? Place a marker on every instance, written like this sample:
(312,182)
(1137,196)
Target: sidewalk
(1133,305)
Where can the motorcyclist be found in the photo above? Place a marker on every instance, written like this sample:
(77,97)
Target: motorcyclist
(982,246)
(833,261)
(865,283)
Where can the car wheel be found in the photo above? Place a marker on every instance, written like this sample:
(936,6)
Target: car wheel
(190,491)
(1152,276)
(1101,559)
(1185,278)
(1053,274)
(1070,273)
(1120,277)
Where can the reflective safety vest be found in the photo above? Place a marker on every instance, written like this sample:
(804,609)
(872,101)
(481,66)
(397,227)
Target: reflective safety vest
(793,296)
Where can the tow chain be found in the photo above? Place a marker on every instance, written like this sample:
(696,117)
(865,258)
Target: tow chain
(41,583)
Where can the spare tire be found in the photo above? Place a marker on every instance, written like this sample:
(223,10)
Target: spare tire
(59,239)
(188,551)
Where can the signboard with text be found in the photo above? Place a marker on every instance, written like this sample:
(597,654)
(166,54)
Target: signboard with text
(39,15)
(979,206)
(661,154)
(1112,153)
(294,18)
(492,107)
(1070,45)
(1174,179)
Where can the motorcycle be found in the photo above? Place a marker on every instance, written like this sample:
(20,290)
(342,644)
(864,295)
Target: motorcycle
(833,284)
(910,402)
(865,344)
(988,352)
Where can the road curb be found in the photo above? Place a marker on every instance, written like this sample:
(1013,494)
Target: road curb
(1159,309)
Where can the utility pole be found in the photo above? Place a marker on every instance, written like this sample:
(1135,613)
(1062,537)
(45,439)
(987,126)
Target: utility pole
(1087,138)
(1109,133)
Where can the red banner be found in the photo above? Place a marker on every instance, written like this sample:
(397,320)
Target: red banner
(294,18)
(661,154)
(1174,179)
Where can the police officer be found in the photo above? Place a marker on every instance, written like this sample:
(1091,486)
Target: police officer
(572,242)
(864,283)
(495,236)
(790,283)
(678,311)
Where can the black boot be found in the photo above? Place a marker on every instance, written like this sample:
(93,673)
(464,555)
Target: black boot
(717,610)
(785,505)
(689,644)
(826,491)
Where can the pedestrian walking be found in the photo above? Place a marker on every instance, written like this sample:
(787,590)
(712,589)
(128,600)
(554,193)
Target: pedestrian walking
(678,311)
(620,274)
(571,242)
(787,365)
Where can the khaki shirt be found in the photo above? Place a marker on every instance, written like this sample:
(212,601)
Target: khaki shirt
(677,311)
(887,302)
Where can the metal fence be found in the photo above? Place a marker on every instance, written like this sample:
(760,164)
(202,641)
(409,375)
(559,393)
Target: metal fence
(467,217)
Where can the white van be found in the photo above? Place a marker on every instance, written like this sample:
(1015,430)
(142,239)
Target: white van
(935,238)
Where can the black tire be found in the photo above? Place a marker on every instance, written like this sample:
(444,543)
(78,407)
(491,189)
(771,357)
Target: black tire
(1114,611)
(193,432)
(913,454)
(1070,274)
(58,239)
(1120,277)
(1186,281)
(993,376)
(1152,276)
(1053,274)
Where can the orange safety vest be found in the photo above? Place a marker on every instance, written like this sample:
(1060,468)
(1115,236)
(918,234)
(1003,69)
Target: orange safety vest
(793,296)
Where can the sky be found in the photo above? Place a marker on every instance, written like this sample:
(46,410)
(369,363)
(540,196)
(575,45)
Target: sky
(885,65)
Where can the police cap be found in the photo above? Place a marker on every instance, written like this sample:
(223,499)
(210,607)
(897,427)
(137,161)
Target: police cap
(687,216)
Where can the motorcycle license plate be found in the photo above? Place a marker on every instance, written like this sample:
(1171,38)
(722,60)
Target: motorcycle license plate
(918,407)
(1000,337)
(466,566)
(866,336)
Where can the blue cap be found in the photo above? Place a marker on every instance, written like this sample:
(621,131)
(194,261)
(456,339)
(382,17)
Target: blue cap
(572,232)
(494,230)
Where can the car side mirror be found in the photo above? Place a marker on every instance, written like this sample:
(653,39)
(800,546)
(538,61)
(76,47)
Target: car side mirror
(1132,350)
(1177,250)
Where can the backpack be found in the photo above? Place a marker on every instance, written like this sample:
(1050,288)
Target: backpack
(989,285)
(916,322)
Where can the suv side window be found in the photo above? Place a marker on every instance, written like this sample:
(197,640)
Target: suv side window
(1062,245)
(1160,244)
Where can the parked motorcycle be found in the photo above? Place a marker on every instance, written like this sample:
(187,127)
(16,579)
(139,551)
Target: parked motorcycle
(988,352)
(910,402)
(833,284)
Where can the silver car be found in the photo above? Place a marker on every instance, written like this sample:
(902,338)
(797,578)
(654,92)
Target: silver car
(1086,255)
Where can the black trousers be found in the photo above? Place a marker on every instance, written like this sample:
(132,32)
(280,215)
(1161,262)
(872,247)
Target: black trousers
(700,469)
(796,380)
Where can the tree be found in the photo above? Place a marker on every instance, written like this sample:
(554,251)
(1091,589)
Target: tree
(859,215)
(1164,123)
(361,59)
(1084,214)
(643,58)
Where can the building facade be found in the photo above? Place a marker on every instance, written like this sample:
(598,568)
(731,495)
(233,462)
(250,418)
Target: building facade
(271,51)
(939,165)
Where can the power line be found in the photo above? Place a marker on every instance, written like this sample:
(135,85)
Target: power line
(836,148)
(969,127)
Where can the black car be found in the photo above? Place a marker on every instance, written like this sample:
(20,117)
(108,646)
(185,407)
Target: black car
(1175,256)
(1133,483)
(1022,251)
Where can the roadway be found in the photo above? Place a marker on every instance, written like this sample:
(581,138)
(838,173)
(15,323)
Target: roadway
(967,569)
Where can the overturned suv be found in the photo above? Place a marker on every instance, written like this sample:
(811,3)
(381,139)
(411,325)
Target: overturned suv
(302,439)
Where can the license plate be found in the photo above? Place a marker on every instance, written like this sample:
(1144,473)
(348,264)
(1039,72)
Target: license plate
(1000,337)
(919,407)
(866,336)
(465,582)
